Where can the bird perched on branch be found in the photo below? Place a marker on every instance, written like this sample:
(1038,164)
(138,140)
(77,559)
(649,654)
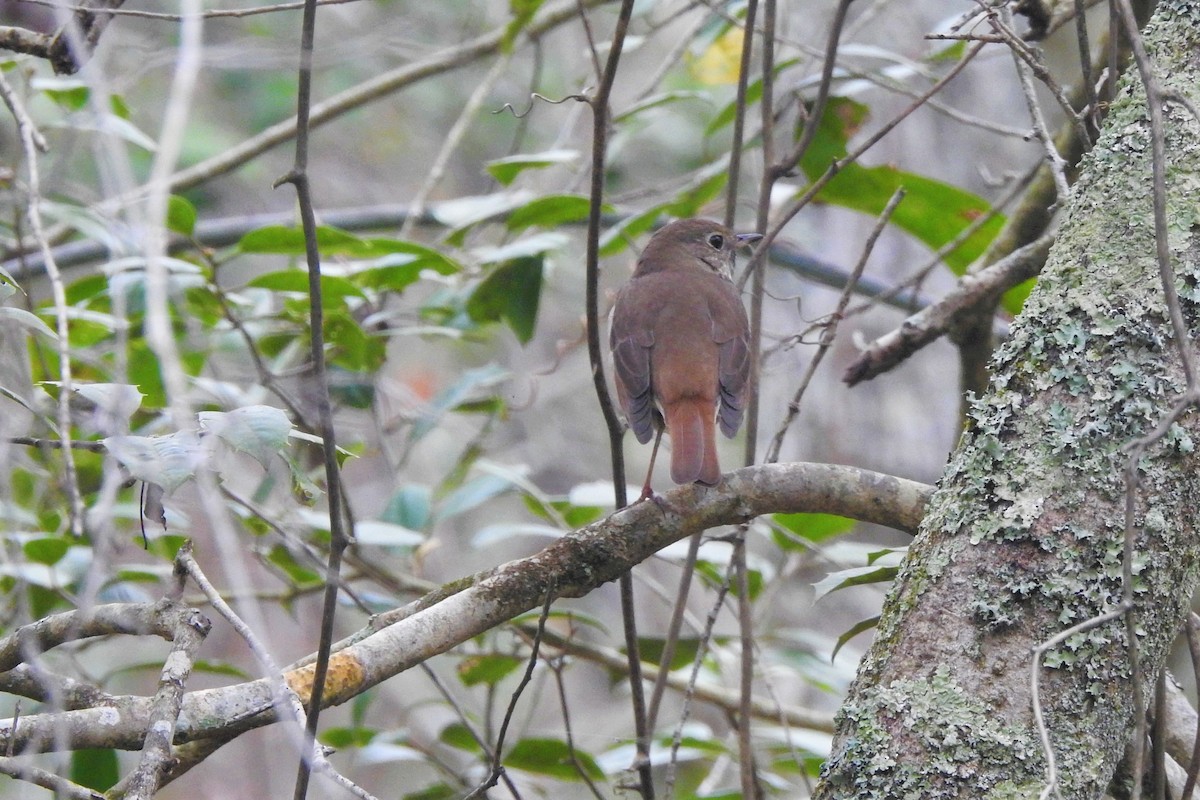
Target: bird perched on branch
(681,346)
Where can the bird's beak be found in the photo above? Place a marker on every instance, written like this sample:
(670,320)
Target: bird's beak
(744,239)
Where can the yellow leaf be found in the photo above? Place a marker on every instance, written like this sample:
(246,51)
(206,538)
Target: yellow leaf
(720,62)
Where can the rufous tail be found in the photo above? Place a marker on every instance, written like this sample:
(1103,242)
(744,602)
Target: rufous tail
(693,441)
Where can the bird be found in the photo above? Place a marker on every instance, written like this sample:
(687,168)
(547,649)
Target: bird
(680,343)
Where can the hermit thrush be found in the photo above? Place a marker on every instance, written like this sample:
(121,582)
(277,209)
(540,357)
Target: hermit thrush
(681,345)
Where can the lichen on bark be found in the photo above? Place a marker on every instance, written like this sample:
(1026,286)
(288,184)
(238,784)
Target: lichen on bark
(1025,536)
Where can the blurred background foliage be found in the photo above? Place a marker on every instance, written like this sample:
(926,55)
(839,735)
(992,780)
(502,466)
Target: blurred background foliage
(452,250)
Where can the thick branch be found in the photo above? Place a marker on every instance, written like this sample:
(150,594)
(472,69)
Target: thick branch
(575,565)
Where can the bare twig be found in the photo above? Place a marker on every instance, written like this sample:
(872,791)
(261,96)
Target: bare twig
(284,699)
(830,328)
(818,107)
(1193,638)
(380,86)
(692,683)
(817,185)
(927,325)
(1183,344)
(30,140)
(213,13)
(1053,158)
(338,537)
(61,787)
(1035,690)
(739,117)
(497,768)
(600,121)
(556,666)
(190,632)
(453,139)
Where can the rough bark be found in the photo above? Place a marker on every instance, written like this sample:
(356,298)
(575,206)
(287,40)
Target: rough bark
(1024,537)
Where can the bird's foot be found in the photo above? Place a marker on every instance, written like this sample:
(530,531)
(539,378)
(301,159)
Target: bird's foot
(656,498)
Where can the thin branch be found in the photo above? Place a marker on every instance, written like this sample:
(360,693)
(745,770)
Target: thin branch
(498,753)
(556,667)
(818,106)
(1057,165)
(575,564)
(616,432)
(338,537)
(747,763)
(739,118)
(693,678)
(1193,638)
(1183,344)
(30,139)
(63,789)
(214,13)
(932,322)
(452,140)
(1030,65)
(817,185)
(1035,690)
(190,632)
(829,330)
(282,693)
(368,91)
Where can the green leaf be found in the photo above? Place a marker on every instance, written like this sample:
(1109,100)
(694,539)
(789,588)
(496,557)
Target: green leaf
(181,215)
(29,321)
(855,630)
(167,461)
(507,169)
(95,769)
(511,292)
(437,791)
(219,668)
(301,576)
(545,756)
(855,576)
(932,211)
(71,98)
(353,349)
(402,265)
(283,240)
(341,738)
(258,431)
(469,383)
(334,289)
(614,240)
(811,528)
(952,52)
(409,507)
(549,212)
(487,669)
(456,735)
(651,650)
(522,11)
(46,551)
(371,532)
(753,94)
(472,494)
(165,547)
(664,98)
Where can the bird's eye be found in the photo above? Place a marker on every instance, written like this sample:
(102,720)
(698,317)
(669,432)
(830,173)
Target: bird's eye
(717,241)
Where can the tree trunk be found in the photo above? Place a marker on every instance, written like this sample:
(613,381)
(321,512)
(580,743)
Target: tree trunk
(1025,536)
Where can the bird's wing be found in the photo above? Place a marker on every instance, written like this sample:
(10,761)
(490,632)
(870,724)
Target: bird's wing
(631,363)
(731,332)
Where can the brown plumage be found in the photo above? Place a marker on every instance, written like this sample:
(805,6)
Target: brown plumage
(680,344)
